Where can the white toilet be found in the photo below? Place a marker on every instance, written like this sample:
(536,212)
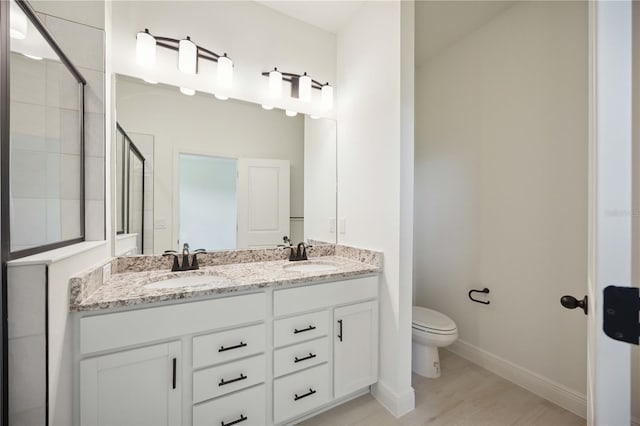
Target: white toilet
(430,330)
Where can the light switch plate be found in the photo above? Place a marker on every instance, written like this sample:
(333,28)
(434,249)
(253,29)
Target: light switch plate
(342,225)
(332,225)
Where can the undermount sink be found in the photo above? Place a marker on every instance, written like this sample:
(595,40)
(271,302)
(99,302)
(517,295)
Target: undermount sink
(309,267)
(188,281)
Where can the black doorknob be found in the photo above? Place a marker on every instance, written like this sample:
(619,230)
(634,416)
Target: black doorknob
(571,302)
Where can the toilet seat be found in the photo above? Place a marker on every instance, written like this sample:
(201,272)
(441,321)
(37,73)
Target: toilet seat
(430,321)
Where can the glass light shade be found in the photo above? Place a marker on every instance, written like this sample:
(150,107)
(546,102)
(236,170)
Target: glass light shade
(327,96)
(34,57)
(304,88)
(187,91)
(18,22)
(267,107)
(145,49)
(314,117)
(187,56)
(221,97)
(275,84)
(290,113)
(225,72)
(150,81)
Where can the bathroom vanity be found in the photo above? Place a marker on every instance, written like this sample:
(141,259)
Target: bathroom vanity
(250,343)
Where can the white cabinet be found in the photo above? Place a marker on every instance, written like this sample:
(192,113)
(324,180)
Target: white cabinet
(355,347)
(133,387)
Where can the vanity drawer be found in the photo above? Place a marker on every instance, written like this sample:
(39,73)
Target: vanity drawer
(228,345)
(300,328)
(300,356)
(301,392)
(138,326)
(217,381)
(318,296)
(248,406)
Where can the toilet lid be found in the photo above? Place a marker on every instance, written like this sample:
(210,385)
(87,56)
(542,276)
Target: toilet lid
(430,319)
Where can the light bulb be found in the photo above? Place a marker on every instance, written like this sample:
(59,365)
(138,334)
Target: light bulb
(187,91)
(304,88)
(145,49)
(221,97)
(267,107)
(18,22)
(275,84)
(327,96)
(187,56)
(290,113)
(225,72)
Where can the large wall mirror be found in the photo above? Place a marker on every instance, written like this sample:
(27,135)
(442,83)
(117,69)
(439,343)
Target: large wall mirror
(219,175)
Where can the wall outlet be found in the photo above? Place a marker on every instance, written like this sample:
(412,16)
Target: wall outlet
(160,224)
(342,226)
(332,225)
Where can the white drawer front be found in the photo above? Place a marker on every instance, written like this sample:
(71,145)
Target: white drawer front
(109,331)
(300,356)
(216,381)
(247,406)
(318,296)
(301,392)
(300,328)
(228,345)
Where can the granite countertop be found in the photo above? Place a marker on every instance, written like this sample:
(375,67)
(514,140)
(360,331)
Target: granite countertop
(128,289)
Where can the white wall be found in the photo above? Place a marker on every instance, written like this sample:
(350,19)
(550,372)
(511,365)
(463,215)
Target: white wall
(320,179)
(205,125)
(256,37)
(501,187)
(371,156)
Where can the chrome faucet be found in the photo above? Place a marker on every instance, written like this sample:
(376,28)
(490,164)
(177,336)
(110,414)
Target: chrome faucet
(185,259)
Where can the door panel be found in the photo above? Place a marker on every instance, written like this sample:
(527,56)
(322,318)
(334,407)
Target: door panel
(263,202)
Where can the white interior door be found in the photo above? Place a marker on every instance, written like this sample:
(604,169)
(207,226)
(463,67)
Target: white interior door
(610,189)
(263,202)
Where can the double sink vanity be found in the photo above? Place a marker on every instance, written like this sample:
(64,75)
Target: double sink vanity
(249,338)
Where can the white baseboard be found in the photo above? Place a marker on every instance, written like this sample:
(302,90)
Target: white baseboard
(533,382)
(396,404)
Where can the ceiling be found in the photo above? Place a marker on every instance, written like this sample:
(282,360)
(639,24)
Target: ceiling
(330,15)
(439,24)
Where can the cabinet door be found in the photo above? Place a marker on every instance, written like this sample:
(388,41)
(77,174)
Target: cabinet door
(135,387)
(355,347)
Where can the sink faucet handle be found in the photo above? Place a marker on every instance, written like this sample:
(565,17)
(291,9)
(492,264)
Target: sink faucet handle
(176,264)
(185,248)
(194,261)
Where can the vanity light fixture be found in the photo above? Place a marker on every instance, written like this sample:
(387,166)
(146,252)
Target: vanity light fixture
(290,113)
(187,91)
(150,81)
(314,117)
(18,25)
(301,85)
(327,96)
(188,55)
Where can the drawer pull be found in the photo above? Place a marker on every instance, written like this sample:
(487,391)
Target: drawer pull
(311,392)
(240,345)
(173,374)
(237,379)
(296,331)
(296,359)
(340,332)
(241,419)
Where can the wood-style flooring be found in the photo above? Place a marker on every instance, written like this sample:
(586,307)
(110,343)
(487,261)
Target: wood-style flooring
(465,394)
